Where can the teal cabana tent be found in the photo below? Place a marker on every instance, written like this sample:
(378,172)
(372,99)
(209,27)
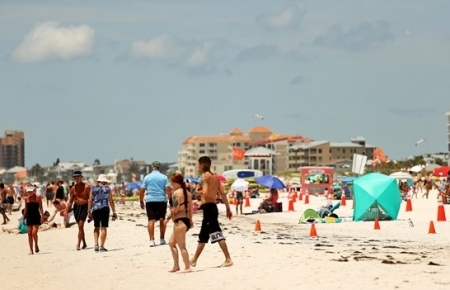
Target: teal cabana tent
(376,196)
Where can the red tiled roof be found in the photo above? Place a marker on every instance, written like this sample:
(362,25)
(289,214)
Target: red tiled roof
(260,130)
(289,138)
(235,131)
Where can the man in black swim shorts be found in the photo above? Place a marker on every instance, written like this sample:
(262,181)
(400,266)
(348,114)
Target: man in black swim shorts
(210,186)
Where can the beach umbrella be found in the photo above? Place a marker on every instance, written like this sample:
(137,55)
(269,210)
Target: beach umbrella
(192,180)
(441,171)
(221,178)
(417,168)
(270,182)
(133,185)
(401,175)
(240,185)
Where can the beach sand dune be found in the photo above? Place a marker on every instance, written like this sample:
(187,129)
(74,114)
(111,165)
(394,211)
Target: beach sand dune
(347,255)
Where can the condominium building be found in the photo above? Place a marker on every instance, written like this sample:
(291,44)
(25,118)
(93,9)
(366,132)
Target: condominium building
(12,149)
(220,150)
(263,149)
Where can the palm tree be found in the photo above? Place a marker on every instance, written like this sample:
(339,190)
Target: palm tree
(37,172)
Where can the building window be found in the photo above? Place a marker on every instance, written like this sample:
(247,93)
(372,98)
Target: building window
(226,168)
(201,151)
(343,150)
(238,144)
(212,144)
(201,144)
(320,150)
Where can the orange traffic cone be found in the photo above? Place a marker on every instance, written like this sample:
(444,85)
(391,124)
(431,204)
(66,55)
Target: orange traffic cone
(408,203)
(313,232)
(377,225)
(247,201)
(441,210)
(306,198)
(291,205)
(343,199)
(431,229)
(257,226)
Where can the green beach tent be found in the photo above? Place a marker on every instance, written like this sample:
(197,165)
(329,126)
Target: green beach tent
(376,196)
(309,216)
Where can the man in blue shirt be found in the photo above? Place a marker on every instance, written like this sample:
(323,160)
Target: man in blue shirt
(156,187)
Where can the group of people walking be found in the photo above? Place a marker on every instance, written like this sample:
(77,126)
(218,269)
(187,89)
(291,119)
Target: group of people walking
(158,189)
(158,194)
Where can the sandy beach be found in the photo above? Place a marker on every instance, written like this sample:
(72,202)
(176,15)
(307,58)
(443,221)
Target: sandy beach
(282,255)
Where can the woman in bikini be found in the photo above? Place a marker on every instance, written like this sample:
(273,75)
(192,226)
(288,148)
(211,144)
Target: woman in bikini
(181,214)
(33,215)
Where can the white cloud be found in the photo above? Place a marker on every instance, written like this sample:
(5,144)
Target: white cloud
(50,40)
(161,47)
(287,18)
(200,55)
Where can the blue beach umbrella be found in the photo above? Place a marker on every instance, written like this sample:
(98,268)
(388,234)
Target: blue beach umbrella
(270,182)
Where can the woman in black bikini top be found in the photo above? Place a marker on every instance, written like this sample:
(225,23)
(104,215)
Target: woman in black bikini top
(181,214)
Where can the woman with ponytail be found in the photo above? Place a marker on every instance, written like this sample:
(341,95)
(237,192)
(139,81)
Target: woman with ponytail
(181,215)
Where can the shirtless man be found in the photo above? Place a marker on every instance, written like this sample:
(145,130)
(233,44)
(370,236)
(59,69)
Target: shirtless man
(3,203)
(10,198)
(79,197)
(61,207)
(208,190)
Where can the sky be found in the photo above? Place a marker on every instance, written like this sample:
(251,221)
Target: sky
(134,79)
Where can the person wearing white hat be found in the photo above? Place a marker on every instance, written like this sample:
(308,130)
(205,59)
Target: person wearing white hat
(99,205)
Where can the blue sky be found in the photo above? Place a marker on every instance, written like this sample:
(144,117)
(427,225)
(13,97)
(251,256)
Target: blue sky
(85,80)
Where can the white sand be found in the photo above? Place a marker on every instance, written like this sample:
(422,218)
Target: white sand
(282,256)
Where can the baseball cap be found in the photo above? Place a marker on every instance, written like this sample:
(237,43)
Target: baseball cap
(156,164)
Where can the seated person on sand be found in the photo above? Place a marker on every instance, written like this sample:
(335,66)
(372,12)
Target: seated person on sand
(270,201)
(21,227)
(46,225)
(60,206)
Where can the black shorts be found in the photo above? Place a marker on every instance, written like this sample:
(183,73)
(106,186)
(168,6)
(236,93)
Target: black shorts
(101,217)
(2,208)
(156,210)
(239,196)
(10,199)
(80,212)
(210,224)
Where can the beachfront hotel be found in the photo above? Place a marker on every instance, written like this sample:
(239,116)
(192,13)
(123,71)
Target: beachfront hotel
(264,150)
(12,149)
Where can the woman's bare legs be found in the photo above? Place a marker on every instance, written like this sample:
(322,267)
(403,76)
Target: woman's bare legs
(174,251)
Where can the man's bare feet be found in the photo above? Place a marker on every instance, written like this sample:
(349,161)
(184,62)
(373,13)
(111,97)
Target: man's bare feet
(30,253)
(193,263)
(36,249)
(227,264)
(84,246)
(174,269)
